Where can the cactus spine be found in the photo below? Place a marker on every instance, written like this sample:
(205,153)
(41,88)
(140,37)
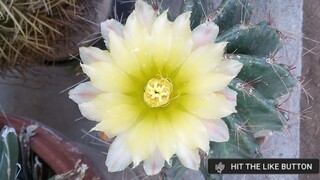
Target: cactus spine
(34,31)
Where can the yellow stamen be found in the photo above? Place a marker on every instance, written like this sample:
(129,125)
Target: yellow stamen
(157,92)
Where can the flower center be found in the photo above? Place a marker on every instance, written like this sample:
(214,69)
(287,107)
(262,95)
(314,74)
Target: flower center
(157,92)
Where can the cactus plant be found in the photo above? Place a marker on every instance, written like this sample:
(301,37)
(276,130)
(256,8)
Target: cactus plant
(9,150)
(26,153)
(260,83)
(17,160)
(35,31)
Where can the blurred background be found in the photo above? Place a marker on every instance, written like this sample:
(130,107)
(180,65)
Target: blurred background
(41,93)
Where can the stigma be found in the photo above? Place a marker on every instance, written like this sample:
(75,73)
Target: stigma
(157,92)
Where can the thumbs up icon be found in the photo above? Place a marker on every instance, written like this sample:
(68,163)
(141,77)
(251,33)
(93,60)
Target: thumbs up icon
(219,167)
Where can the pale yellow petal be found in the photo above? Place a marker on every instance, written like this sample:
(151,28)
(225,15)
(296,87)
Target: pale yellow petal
(217,130)
(182,42)
(97,107)
(145,14)
(84,92)
(90,111)
(153,164)
(205,33)
(203,60)
(142,140)
(111,25)
(119,156)
(165,136)
(108,78)
(161,40)
(231,95)
(91,54)
(190,158)
(215,80)
(190,130)
(207,106)
(123,54)
(207,83)
(139,40)
(110,100)
(229,67)
(118,119)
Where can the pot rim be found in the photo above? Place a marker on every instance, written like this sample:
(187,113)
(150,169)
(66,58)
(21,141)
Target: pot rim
(52,146)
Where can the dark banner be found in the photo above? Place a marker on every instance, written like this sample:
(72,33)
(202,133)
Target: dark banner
(263,166)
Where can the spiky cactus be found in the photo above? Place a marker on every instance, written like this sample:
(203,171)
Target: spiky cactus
(19,161)
(34,31)
(260,84)
(9,153)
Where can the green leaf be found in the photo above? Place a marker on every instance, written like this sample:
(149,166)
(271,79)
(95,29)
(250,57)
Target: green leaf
(9,153)
(230,13)
(260,39)
(259,112)
(270,79)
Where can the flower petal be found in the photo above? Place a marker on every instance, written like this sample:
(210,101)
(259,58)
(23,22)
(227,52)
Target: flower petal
(207,106)
(90,111)
(84,92)
(145,14)
(231,95)
(115,121)
(182,39)
(161,39)
(141,139)
(204,34)
(201,61)
(153,164)
(217,130)
(124,57)
(108,78)
(96,108)
(190,158)
(190,130)
(215,80)
(139,42)
(111,25)
(207,83)
(90,55)
(229,67)
(165,136)
(119,156)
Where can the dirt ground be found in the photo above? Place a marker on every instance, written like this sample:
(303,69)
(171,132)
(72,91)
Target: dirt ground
(310,126)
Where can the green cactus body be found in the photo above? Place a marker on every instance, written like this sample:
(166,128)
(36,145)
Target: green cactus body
(9,153)
(259,84)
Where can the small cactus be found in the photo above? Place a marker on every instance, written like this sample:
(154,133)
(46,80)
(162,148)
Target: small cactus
(259,84)
(9,153)
(18,161)
(34,31)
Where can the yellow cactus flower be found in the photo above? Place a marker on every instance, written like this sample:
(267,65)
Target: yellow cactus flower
(160,89)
